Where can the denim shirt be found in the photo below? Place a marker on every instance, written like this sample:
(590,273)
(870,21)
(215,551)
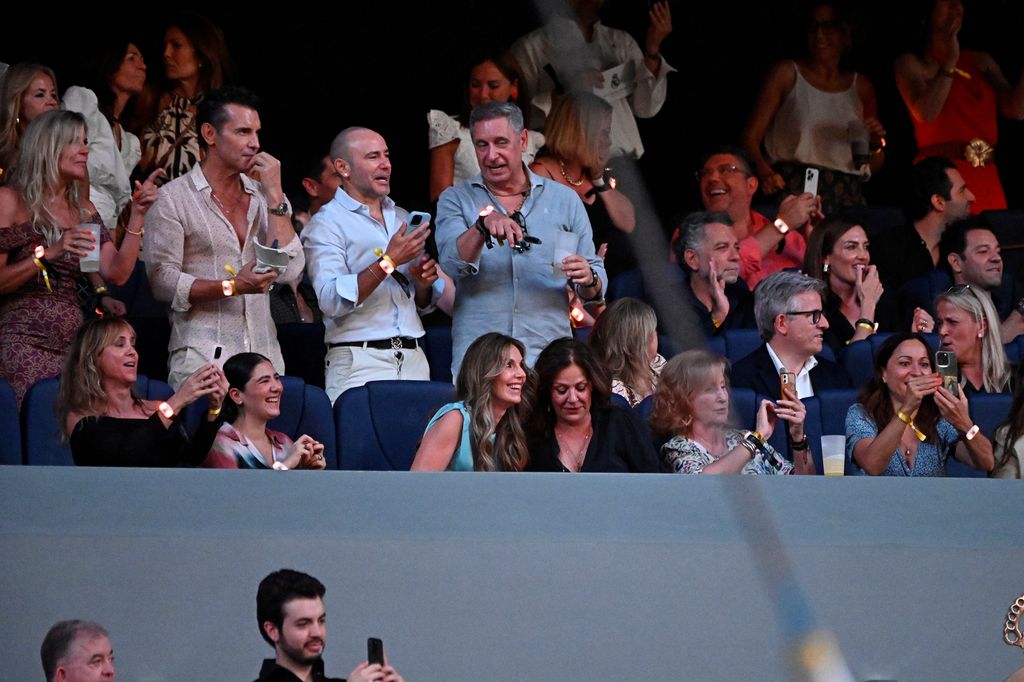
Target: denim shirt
(517,294)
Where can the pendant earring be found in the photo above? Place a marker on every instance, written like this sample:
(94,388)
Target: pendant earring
(824,269)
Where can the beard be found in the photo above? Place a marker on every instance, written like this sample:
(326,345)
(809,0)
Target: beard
(298,654)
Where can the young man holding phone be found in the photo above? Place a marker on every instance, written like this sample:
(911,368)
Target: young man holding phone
(292,619)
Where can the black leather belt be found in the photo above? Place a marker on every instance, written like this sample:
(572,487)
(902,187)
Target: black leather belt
(394,343)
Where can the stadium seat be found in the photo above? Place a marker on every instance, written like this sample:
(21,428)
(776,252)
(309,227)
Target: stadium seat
(379,425)
(10,429)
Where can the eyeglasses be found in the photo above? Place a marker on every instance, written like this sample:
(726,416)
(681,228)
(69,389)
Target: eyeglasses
(957,289)
(814,314)
(724,169)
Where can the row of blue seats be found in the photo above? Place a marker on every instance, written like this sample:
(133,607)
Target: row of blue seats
(377,427)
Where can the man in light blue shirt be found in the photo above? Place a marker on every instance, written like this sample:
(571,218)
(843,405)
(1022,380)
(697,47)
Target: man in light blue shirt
(537,238)
(371,302)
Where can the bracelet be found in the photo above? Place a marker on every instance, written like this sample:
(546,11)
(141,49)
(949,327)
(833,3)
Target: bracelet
(865,323)
(101,290)
(800,445)
(972,432)
(137,234)
(781,225)
(910,422)
(166,410)
(746,445)
(40,262)
(386,265)
(377,272)
(214,413)
(482,228)
(593,280)
(717,323)
(228,287)
(757,436)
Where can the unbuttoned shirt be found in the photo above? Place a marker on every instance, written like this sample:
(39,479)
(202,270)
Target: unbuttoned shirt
(187,238)
(518,294)
(339,242)
(804,388)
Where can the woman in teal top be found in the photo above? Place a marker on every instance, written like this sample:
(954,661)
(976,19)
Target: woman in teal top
(482,430)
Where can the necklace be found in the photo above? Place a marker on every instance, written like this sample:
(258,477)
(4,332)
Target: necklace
(574,183)
(581,452)
(234,204)
(522,194)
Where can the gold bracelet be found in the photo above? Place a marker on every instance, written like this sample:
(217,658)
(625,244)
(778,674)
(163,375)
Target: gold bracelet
(213,413)
(758,436)
(101,290)
(910,422)
(865,325)
(137,234)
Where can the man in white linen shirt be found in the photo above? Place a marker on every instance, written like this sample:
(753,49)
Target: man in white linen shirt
(371,301)
(200,233)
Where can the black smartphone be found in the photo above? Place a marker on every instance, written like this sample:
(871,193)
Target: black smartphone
(945,365)
(375,651)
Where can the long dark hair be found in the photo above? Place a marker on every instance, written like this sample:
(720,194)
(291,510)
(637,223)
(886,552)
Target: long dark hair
(212,55)
(557,356)
(875,395)
(238,370)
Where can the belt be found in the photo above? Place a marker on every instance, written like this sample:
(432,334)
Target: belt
(977,152)
(394,343)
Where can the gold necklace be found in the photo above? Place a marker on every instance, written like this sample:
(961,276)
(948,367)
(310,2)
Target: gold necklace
(574,183)
(581,453)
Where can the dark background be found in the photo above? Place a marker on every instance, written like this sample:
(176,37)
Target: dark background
(322,67)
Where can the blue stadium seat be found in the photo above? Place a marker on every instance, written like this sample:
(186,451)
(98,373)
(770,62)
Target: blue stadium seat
(739,343)
(988,410)
(10,429)
(858,359)
(41,433)
(715,344)
(742,407)
(833,406)
(379,425)
(437,344)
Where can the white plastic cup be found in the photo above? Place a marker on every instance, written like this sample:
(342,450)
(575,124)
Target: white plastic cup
(833,454)
(565,246)
(91,261)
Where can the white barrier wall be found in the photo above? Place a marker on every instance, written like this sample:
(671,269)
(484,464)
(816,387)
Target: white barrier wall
(510,577)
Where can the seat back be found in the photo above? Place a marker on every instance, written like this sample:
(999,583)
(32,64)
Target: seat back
(988,410)
(833,406)
(10,428)
(379,425)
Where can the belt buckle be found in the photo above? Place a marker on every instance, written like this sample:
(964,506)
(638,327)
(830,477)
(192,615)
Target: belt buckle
(396,343)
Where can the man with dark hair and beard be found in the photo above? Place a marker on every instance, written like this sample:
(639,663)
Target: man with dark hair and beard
(291,618)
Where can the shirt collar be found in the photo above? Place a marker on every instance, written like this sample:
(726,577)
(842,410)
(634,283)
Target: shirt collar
(342,198)
(200,182)
(811,363)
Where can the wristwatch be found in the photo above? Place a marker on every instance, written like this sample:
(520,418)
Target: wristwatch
(279,210)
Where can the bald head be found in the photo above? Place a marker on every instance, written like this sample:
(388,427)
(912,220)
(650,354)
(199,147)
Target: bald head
(341,148)
(363,161)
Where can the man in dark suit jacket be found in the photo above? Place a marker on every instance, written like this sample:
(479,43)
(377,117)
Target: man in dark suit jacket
(788,309)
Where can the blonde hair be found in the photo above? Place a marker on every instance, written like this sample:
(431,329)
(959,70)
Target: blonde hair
(13,86)
(81,387)
(497,446)
(682,376)
(620,340)
(37,176)
(572,128)
(994,366)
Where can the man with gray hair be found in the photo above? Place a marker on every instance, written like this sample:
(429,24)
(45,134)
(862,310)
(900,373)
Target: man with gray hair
(709,254)
(788,309)
(371,276)
(537,235)
(77,651)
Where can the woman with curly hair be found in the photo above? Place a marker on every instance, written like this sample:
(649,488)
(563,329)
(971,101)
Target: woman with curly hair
(483,429)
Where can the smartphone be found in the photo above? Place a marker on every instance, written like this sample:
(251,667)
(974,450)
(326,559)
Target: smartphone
(811,181)
(417,218)
(374,651)
(787,384)
(945,363)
